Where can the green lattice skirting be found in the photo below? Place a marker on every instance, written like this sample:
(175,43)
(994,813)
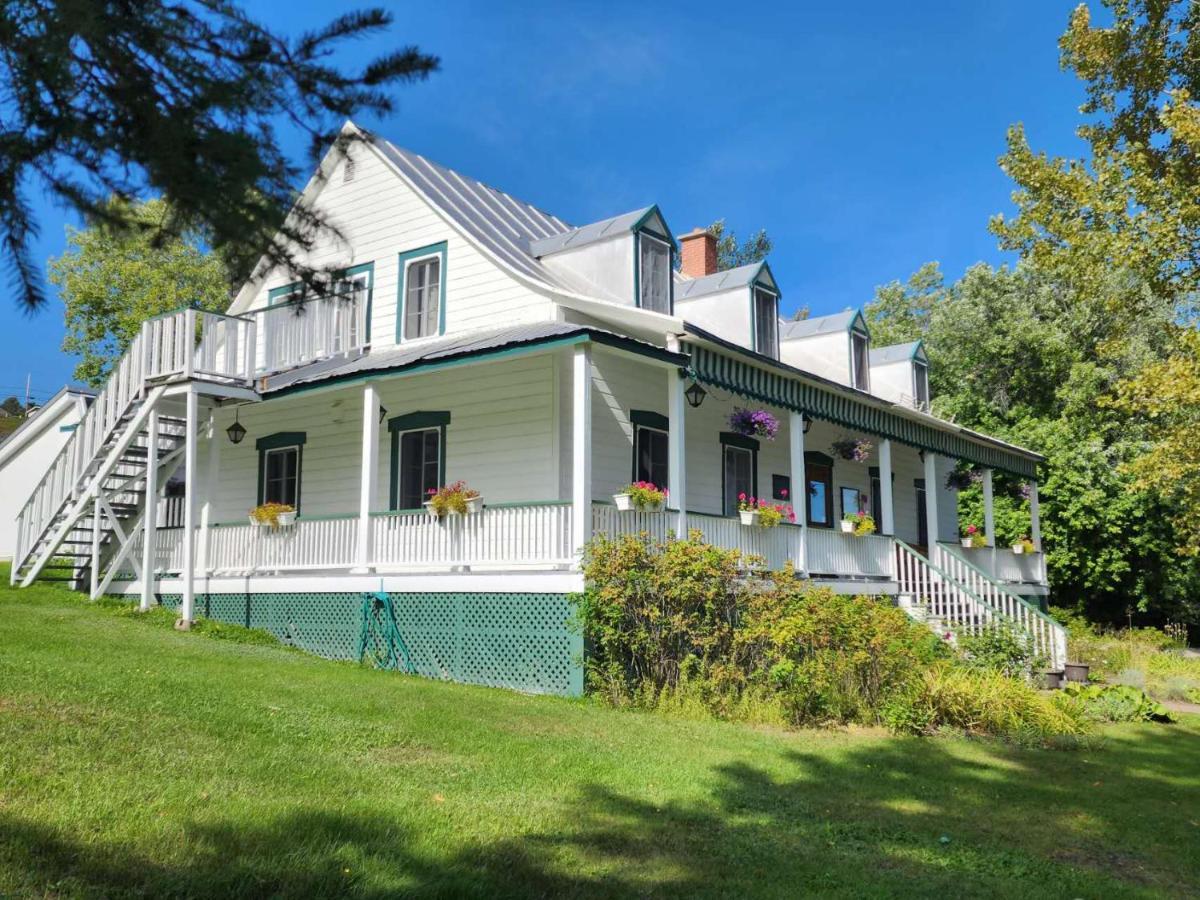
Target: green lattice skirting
(522,641)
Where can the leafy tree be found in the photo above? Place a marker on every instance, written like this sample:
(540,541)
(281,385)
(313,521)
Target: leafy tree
(731,253)
(105,98)
(112,279)
(12,406)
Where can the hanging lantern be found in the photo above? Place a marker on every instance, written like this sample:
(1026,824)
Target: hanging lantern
(235,431)
(695,395)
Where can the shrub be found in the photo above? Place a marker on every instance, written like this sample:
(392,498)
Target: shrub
(980,702)
(1114,703)
(1001,648)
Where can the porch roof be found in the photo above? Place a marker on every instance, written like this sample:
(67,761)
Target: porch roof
(450,350)
(759,377)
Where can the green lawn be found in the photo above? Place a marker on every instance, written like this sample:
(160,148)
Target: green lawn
(135,760)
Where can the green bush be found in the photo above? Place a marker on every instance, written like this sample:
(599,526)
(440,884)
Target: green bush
(1113,703)
(1002,648)
(980,702)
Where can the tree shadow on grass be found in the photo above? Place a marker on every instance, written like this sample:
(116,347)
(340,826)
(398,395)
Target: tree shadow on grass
(895,818)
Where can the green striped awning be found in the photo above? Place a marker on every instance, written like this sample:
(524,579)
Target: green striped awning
(828,403)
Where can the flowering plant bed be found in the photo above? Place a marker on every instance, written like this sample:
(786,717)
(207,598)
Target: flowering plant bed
(273,515)
(854,449)
(454,498)
(859,524)
(763,513)
(644,496)
(753,423)
(973,537)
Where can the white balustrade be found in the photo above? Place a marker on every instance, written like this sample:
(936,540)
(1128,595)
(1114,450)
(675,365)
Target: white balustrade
(835,553)
(500,537)
(297,333)
(1006,566)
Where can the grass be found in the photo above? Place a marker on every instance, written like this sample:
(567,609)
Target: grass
(139,761)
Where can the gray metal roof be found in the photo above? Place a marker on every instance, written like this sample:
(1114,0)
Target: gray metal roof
(687,288)
(589,234)
(820,325)
(502,224)
(881,356)
(405,356)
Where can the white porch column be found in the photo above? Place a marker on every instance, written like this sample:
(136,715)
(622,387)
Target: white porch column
(887,513)
(799,483)
(931,491)
(187,611)
(367,480)
(677,451)
(581,448)
(210,491)
(150,519)
(989,520)
(96,512)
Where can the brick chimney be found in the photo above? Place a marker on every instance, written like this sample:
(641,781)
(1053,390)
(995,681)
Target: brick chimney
(699,251)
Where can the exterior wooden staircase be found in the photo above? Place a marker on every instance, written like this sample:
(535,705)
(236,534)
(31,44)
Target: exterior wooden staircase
(954,597)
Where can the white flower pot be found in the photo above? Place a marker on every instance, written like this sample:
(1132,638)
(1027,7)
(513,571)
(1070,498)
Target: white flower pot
(1018,548)
(847,527)
(286,519)
(474,505)
(428,504)
(967,542)
(748,516)
(624,502)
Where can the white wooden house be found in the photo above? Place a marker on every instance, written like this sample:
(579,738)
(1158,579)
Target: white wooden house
(474,337)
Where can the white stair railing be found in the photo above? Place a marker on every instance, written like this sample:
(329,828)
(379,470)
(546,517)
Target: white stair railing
(181,343)
(294,334)
(1049,637)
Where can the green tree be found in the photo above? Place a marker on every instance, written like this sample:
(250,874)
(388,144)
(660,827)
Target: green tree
(181,97)
(12,406)
(732,253)
(112,279)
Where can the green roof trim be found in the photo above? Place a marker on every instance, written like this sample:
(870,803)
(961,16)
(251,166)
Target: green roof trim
(647,419)
(835,403)
(281,439)
(419,419)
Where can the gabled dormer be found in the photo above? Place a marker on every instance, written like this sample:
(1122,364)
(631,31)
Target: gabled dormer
(626,259)
(837,346)
(740,305)
(901,373)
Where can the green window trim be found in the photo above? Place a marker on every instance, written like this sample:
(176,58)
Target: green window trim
(818,458)
(647,419)
(732,439)
(421,420)
(672,249)
(274,294)
(278,441)
(410,256)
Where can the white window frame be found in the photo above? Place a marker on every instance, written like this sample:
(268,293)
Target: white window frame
(855,336)
(440,431)
(266,456)
(437,319)
(643,281)
(920,378)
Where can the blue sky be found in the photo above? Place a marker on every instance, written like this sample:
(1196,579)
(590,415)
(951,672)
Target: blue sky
(863,137)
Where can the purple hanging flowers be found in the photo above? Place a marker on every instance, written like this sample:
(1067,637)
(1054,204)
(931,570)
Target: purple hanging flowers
(854,449)
(753,423)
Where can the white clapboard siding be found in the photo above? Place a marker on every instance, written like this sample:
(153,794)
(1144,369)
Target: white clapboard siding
(380,217)
(836,553)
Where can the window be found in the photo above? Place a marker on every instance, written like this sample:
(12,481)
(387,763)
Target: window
(853,501)
(279,463)
(781,488)
(739,469)
(418,457)
(654,274)
(422,293)
(766,323)
(921,385)
(651,456)
(860,355)
(818,471)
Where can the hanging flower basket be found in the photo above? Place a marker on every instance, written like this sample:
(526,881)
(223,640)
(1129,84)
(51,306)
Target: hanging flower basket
(642,496)
(858,524)
(273,515)
(973,537)
(853,449)
(961,479)
(753,423)
(453,499)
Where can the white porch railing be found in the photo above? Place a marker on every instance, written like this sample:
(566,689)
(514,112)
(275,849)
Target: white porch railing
(1006,566)
(294,334)
(776,546)
(836,553)
(520,535)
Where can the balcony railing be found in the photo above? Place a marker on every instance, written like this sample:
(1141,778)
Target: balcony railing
(1004,565)
(298,333)
(837,554)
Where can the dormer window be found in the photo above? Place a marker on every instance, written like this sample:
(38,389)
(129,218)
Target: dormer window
(654,274)
(920,385)
(860,359)
(766,323)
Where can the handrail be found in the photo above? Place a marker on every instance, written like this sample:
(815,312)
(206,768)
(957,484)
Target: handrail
(999,585)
